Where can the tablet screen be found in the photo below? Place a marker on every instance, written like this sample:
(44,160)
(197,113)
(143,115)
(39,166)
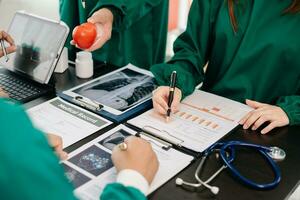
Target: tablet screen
(39,42)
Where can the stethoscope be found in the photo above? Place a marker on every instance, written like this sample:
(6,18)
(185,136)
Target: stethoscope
(226,152)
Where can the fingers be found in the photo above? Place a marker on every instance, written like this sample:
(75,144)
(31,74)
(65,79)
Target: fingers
(244,119)
(103,35)
(253,117)
(263,119)
(132,140)
(176,100)
(97,44)
(62,154)
(248,120)
(11,49)
(3,93)
(128,141)
(262,114)
(270,127)
(7,38)
(55,141)
(159,100)
(254,104)
(57,144)
(72,42)
(159,108)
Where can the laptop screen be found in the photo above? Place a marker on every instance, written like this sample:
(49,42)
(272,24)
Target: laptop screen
(39,42)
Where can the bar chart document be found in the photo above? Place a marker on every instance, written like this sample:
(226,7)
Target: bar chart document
(66,120)
(203,119)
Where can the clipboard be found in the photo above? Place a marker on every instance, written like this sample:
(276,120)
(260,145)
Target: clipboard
(165,143)
(98,109)
(117,96)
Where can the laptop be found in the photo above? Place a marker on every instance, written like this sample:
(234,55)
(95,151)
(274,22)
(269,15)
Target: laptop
(26,75)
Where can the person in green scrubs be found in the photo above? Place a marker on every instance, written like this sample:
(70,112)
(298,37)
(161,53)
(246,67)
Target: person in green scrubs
(252,50)
(29,169)
(129,31)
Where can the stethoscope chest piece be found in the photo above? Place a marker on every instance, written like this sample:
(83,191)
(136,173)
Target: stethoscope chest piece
(277,153)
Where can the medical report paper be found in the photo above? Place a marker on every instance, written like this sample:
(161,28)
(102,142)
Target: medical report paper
(69,121)
(203,119)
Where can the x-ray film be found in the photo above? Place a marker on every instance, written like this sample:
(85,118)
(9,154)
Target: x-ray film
(113,140)
(118,91)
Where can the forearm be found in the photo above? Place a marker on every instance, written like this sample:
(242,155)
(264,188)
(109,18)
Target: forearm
(191,51)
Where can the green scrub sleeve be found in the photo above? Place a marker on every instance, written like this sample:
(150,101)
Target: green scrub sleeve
(118,191)
(69,19)
(29,165)
(127,12)
(191,50)
(291,105)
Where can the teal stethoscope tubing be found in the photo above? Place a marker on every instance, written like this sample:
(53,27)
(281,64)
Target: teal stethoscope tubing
(228,147)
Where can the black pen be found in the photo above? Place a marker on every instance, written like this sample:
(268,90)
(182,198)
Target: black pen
(4,50)
(171,94)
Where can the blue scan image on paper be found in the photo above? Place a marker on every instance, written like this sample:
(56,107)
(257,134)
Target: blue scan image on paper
(93,160)
(76,178)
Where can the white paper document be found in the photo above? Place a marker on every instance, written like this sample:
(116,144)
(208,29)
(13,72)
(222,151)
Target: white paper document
(203,119)
(90,167)
(295,193)
(66,120)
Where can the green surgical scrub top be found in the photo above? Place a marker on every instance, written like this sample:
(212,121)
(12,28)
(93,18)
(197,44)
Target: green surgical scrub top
(261,61)
(139,30)
(29,170)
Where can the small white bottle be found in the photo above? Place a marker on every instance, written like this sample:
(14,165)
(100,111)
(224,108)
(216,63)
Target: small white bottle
(84,66)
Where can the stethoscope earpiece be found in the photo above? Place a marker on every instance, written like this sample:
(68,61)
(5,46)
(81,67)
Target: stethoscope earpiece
(215,190)
(179,181)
